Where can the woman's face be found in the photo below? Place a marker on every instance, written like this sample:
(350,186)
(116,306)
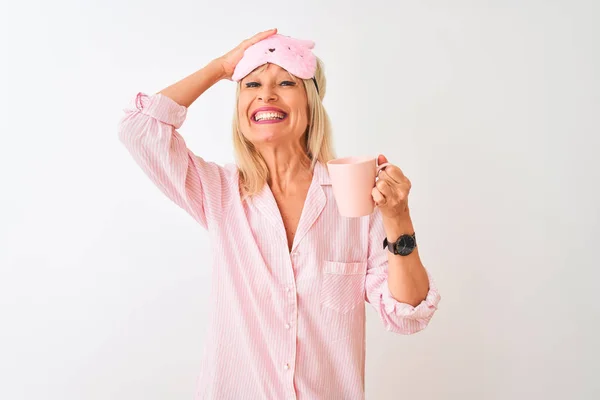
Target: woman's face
(272,106)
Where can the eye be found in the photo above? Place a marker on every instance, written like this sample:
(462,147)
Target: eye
(252,84)
(288,83)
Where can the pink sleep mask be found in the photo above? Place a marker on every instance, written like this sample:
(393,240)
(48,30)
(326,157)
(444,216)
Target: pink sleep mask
(293,55)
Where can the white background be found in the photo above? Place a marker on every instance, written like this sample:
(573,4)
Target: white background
(491,108)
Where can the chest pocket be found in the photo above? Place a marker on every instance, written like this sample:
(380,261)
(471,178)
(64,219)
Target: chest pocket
(343,286)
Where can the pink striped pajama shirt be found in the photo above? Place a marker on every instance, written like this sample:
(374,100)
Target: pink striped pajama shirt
(283,325)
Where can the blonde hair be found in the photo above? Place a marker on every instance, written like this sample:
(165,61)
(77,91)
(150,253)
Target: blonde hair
(252,168)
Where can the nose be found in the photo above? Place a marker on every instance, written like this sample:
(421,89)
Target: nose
(266,94)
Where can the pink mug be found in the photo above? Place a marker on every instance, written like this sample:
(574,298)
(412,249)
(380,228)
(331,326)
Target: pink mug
(353,180)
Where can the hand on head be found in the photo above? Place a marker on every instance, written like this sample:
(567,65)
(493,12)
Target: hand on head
(229,61)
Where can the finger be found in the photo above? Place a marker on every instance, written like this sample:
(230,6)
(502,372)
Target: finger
(262,35)
(398,190)
(378,197)
(393,173)
(404,184)
(384,187)
(381,159)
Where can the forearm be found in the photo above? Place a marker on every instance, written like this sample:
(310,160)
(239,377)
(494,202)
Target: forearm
(188,89)
(407,279)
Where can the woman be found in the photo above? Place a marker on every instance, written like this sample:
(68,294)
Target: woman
(290,275)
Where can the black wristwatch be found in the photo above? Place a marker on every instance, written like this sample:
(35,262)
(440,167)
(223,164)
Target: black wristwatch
(403,246)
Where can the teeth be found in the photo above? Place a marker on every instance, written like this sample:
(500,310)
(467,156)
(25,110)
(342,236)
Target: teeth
(268,116)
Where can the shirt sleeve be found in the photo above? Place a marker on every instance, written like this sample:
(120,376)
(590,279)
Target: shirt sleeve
(397,317)
(149,132)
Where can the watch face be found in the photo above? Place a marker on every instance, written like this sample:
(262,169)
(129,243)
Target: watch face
(405,245)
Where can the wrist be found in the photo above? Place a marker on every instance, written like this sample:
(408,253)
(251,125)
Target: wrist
(396,227)
(217,69)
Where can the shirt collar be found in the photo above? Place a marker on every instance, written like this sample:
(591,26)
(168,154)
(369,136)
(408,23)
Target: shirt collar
(321,175)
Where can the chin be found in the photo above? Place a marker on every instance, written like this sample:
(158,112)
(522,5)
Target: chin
(256,133)
(265,136)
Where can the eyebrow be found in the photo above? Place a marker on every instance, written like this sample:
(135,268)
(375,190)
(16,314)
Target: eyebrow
(251,78)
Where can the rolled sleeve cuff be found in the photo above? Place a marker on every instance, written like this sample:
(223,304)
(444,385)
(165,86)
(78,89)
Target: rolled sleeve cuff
(424,310)
(405,318)
(162,108)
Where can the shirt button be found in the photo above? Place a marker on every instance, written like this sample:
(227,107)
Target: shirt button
(287,289)
(287,326)
(286,366)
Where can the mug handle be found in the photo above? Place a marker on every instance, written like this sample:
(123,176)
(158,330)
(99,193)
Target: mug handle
(382,167)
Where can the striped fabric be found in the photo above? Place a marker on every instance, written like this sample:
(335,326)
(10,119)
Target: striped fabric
(283,325)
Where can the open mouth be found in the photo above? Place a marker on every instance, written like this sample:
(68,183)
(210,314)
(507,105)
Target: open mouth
(268,116)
